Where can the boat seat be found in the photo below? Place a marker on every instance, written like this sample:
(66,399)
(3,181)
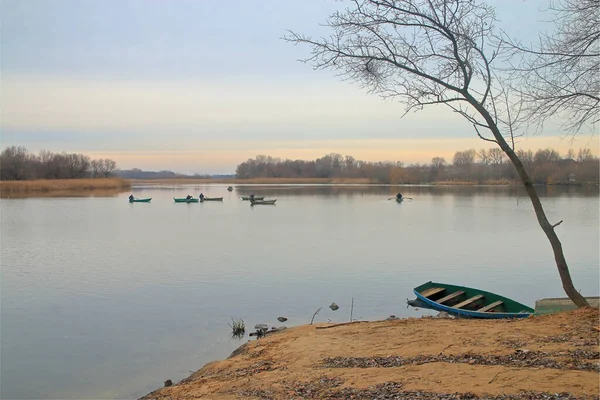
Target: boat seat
(469,301)
(490,307)
(432,291)
(450,297)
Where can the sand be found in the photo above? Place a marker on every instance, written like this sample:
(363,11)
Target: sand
(548,357)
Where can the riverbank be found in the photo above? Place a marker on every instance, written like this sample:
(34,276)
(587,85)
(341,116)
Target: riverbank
(556,356)
(332,181)
(305,181)
(59,185)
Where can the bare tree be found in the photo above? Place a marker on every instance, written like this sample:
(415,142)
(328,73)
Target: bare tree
(585,155)
(95,167)
(431,52)
(438,162)
(559,75)
(496,156)
(465,158)
(108,166)
(484,157)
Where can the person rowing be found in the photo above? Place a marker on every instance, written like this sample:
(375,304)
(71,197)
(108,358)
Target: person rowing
(399,196)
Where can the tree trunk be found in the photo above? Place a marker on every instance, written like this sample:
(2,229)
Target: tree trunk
(559,257)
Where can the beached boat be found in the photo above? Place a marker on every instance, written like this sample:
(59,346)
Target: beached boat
(212,199)
(184,200)
(140,200)
(468,302)
(255,197)
(256,202)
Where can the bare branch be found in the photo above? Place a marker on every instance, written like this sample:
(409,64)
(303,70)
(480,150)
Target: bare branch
(483,138)
(559,77)
(441,52)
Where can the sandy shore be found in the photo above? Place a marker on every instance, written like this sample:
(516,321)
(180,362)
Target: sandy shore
(548,357)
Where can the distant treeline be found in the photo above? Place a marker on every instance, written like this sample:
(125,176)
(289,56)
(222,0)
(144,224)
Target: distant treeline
(546,166)
(136,173)
(16,163)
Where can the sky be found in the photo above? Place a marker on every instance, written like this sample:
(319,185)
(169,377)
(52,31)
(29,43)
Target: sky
(199,86)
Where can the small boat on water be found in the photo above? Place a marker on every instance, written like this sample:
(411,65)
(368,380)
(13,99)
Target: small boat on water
(230,188)
(140,200)
(399,200)
(256,202)
(184,200)
(255,197)
(467,302)
(212,199)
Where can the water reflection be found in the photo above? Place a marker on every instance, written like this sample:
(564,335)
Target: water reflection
(385,190)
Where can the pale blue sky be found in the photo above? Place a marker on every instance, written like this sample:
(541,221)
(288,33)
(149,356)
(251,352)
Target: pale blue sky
(200,86)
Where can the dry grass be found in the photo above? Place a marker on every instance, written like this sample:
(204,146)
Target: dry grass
(267,181)
(499,182)
(456,183)
(50,185)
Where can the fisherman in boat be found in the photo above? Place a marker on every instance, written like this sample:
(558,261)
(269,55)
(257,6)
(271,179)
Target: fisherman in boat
(251,197)
(201,196)
(188,197)
(399,196)
(131,198)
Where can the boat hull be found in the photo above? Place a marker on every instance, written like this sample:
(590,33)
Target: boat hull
(192,200)
(255,198)
(263,202)
(141,200)
(507,308)
(399,200)
(212,199)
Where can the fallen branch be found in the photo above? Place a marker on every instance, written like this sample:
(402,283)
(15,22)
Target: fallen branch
(342,324)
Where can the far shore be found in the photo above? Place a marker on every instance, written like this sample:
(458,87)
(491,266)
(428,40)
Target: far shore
(305,181)
(8,188)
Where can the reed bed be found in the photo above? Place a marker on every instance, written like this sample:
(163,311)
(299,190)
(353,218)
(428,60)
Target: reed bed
(51,185)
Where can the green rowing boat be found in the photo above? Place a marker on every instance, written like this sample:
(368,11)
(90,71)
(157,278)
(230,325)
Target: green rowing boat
(467,302)
(141,200)
(257,202)
(184,200)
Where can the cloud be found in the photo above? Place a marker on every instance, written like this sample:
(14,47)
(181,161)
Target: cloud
(195,109)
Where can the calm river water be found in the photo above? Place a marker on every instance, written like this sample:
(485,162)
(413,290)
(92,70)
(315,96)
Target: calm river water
(105,299)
